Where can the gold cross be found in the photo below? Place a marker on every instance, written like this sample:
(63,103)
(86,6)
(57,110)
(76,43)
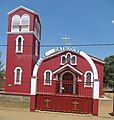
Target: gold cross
(47,101)
(75,104)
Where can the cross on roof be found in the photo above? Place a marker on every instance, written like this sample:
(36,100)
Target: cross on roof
(66,40)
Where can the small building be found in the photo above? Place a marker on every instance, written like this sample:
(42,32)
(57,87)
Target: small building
(63,79)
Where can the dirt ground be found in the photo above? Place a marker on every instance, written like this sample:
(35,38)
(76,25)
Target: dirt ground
(24,114)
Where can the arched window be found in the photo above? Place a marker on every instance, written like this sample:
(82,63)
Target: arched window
(25,23)
(63,59)
(19,44)
(73,60)
(68,58)
(47,77)
(17,76)
(36,48)
(88,79)
(15,23)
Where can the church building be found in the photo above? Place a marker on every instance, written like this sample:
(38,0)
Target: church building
(62,79)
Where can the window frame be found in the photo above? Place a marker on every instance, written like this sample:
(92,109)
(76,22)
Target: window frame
(70,61)
(62,60)
(28,24)
(75,60)
(12,25)
(15,76)
(85,80)
(50,83)
(17,45)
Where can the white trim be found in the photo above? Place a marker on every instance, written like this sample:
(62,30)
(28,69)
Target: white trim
(21,7)
(92,64)
(50,77)
(33,86)
(85,85)
(96,88)
(32,32)
(20,79)
(49,52)
(22,39)
(67,65)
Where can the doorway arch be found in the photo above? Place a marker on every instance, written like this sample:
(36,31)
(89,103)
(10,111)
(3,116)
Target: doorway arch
(68,82)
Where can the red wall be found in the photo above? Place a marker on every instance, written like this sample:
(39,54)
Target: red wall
(64,104)
(53,64)
(25,60)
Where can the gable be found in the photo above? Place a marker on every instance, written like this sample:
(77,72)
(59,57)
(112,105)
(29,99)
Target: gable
(23,8)
(67,66)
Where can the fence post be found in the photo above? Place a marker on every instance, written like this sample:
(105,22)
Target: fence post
(95,97)
(33,94)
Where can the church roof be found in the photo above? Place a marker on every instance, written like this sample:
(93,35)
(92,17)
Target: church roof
(22,7)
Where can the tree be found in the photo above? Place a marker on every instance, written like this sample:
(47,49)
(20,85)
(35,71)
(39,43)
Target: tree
(109,71)
(2,70)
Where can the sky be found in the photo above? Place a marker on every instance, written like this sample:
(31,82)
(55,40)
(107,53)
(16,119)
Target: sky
(84,21)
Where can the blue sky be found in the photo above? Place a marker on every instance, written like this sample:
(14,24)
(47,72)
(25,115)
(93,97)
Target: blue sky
(84,21)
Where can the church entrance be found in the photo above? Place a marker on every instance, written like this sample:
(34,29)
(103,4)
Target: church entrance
(68,83)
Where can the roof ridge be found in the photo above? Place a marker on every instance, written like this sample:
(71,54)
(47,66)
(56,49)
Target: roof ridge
(19,7)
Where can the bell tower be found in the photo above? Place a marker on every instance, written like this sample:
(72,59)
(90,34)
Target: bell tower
(23,48)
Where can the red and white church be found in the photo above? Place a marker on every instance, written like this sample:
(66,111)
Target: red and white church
(63,79)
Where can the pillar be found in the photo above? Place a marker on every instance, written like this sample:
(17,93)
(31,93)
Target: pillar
(80,88)
(95,97)
(33,94)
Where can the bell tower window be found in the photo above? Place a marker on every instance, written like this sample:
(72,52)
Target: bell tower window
(19,44)
(20,24)
(15,23)
(36,48)
(37,29)
(25,23)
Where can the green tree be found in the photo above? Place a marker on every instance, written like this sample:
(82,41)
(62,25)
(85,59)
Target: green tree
(2,70)
(109,71)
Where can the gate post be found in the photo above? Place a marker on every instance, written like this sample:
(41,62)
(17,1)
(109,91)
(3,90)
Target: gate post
(95,97)
(33,94)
